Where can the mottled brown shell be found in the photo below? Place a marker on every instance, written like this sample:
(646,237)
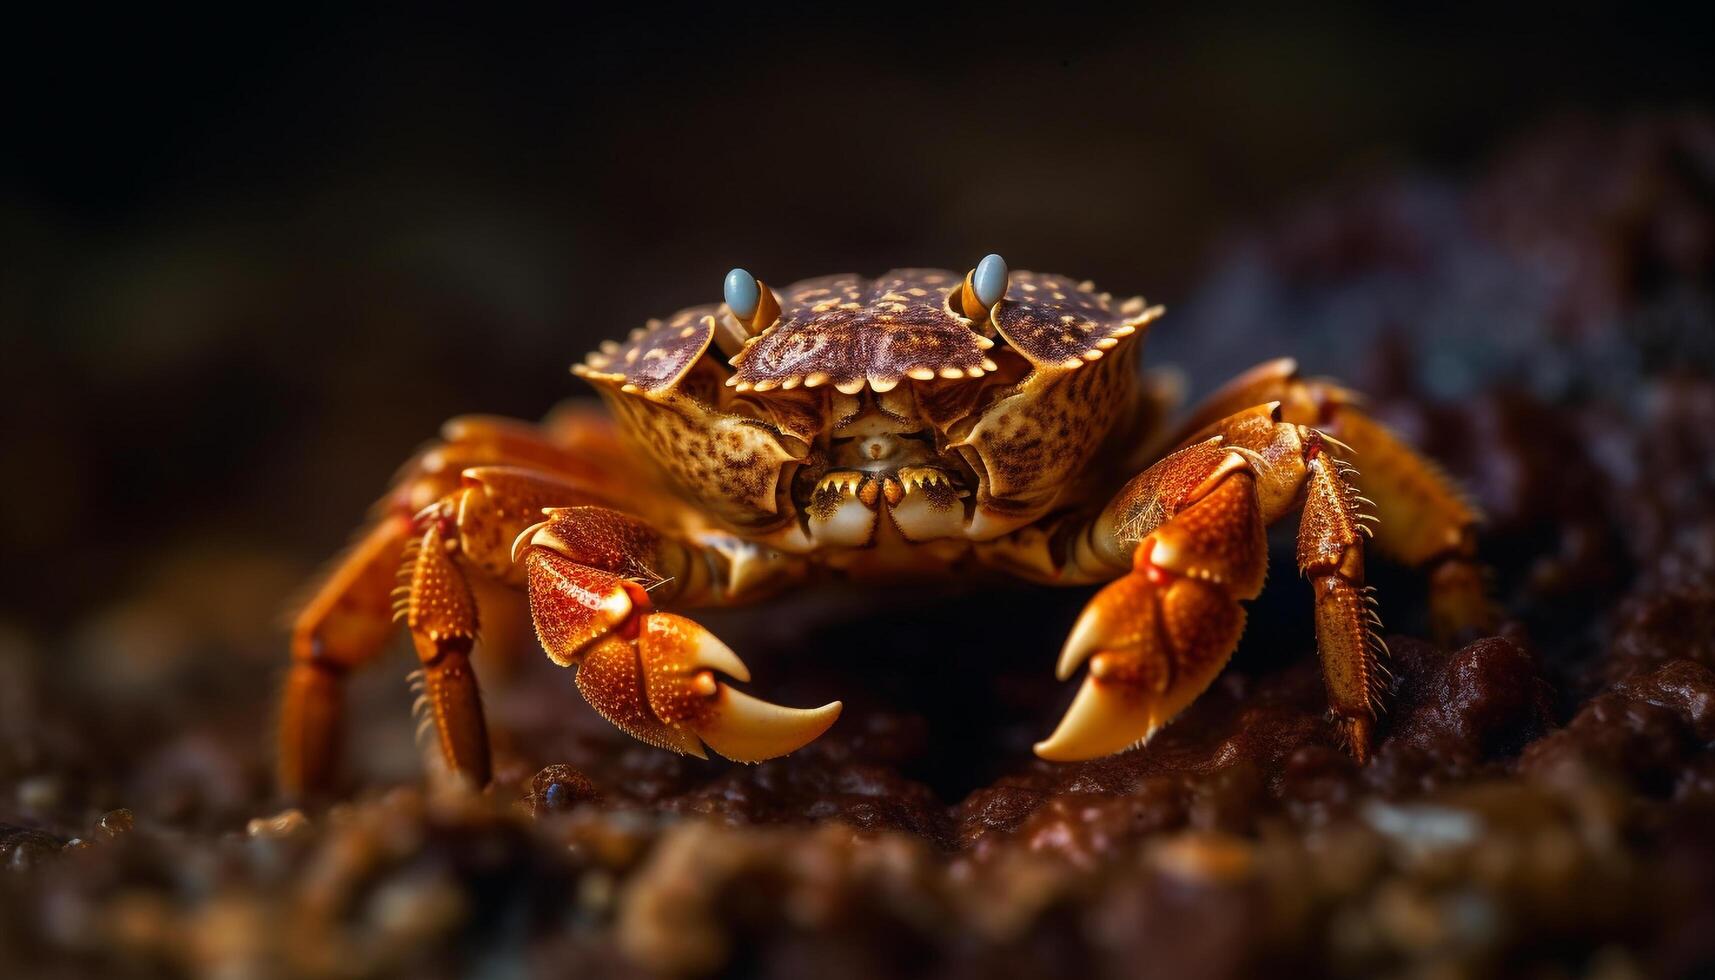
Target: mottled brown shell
(656,355)
(1027,418)
(1033,444)
(850,331)
(1057,321)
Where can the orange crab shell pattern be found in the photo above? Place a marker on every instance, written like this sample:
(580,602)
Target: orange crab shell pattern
(1054,320)
(1035,436)
(850,331)
(655,356)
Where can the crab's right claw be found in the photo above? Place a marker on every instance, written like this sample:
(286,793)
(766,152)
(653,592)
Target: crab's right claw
(1154,642)
(680,660)
(655,675)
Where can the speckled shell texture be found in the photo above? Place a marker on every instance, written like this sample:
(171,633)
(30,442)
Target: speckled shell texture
(1055,320)
(654,357)
(851,330)
(1028,433)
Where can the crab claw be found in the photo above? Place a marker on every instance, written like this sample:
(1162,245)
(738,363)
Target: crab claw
(653,675)
(747,729)
(1154,642)
(574,605)
(680,658)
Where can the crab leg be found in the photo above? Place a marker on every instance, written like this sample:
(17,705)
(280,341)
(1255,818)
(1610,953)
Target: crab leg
(468,531)
(437,605)
(595,576)
(1423,519)
(1189,535)
(344,625)
(348,619)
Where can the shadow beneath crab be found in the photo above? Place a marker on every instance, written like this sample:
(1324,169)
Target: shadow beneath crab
(946,689)
(937,684)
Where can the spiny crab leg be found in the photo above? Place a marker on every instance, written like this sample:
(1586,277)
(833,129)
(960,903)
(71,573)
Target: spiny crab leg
(1423,519)
(442,529)
(655,675)
(1156,637)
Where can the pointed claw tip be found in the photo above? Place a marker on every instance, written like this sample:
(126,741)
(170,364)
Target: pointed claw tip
(524,539)
(742,294)
(693,746)
(747,729)
(1046,749)
(702,649)
(1081,644)
(678,739)
(1102,720)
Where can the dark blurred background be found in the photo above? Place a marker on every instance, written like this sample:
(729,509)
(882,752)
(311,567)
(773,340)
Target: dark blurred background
(250,259)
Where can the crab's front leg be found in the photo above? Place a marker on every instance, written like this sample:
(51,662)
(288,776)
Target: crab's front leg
(595,578)
(463,537)
(346,621)
(1156,636)
(1424,520)
(1190,532)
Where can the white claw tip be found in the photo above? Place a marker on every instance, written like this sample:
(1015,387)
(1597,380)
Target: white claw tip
(1103,719)
(525,539)
(746,729)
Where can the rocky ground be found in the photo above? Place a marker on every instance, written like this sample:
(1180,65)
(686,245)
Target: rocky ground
(1540,802)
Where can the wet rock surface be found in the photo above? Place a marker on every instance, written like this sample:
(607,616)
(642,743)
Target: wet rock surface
(1539,802)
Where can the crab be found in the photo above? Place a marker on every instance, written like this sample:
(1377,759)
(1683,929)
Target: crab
(917,423)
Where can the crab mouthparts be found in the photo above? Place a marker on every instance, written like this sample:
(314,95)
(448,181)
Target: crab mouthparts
(923,502)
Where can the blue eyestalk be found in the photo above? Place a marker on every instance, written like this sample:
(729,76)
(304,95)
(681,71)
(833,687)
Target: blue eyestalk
(989,281)
(742,293)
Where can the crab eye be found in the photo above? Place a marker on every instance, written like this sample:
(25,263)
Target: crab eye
(989,280)
(754,309)
(983,287)
(743,294)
